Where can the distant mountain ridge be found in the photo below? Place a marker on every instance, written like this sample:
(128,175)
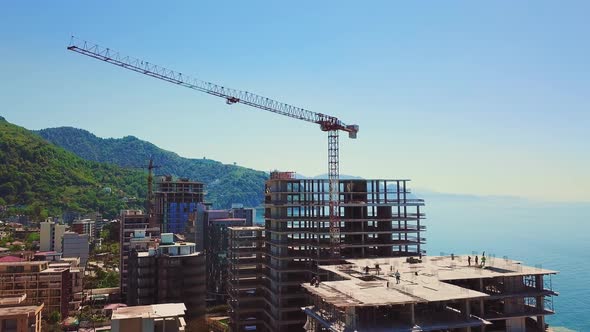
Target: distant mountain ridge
(225,184)
(40,179)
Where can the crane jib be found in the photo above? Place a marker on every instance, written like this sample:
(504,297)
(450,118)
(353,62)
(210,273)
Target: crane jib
(232,96)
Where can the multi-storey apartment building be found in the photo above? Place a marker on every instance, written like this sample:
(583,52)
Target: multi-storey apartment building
(41,283)
(50,236)
(133,221)
(76,245)
(171,272)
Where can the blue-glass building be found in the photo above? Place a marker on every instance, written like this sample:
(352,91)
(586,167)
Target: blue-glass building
(176,203)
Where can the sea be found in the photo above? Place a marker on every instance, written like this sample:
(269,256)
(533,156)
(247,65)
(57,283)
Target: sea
(553,236)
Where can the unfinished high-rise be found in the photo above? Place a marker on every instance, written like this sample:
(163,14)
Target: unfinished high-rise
(436,293)
(176,203)
(378,218)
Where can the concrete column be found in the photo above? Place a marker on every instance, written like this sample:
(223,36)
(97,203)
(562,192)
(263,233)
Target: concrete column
(481,308)
(541,323)
(540,302)
(412,315)
(351,318)
(466,309)
(467,313)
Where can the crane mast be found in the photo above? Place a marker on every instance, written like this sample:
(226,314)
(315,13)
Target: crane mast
(327,123)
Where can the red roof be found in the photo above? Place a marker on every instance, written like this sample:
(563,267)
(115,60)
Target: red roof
(10,259)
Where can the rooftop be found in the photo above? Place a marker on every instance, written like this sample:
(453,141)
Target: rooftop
(10,259)
(150,311)
(420,282)
(12,299)
(19,311)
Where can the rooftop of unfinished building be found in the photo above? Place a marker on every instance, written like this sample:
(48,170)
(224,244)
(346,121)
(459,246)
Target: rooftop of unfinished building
(150,311)
(291,175)
(246,228)
(419,282)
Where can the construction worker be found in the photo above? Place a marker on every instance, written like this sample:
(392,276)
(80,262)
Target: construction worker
(483,261)
(397,276)
(469,260)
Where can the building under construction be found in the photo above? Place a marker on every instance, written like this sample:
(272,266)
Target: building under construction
(432,294)
(377,218)
(247,282)
(176,203)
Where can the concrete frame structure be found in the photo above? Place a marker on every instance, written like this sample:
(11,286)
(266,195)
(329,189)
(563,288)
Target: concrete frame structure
(246,279)
(132,221)
(378,218)
(217,245)
(438,293)
(176,203)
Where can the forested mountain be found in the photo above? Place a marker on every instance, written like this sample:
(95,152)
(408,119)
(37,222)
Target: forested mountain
(225,184)
(41,179)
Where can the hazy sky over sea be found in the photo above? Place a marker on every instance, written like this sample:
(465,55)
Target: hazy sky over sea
(460,96)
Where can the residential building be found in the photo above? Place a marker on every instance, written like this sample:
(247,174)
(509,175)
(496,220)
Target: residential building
(76,245)
(131,222)
(433,293)
(149,318)
(176,203)
(41,284)
(17,316)
(48,256)
(168,273)
(85,226)
(77,280)
(50,236)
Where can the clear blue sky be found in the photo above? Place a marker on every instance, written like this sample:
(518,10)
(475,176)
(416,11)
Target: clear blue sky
(460,96)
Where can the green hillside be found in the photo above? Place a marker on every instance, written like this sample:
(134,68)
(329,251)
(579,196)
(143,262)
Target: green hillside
(225,184)
(40,179)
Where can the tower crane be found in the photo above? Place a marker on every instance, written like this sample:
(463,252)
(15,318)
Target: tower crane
(150,180)
(327,123)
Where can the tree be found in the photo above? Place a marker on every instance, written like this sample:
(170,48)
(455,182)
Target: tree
(54,317)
